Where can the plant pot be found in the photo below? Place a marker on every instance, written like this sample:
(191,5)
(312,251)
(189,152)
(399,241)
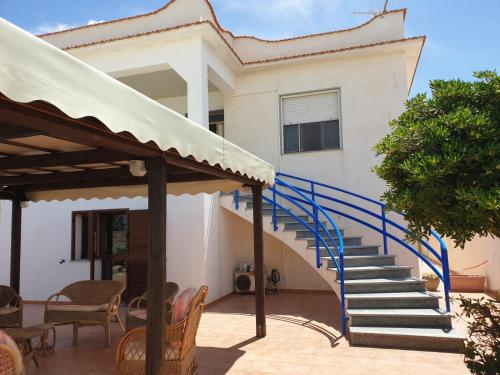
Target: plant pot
(467,283)
(432,284)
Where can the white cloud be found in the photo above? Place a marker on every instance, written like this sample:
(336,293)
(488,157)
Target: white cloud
(54,27)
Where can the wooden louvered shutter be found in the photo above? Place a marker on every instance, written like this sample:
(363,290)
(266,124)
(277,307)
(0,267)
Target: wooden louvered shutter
(138,250)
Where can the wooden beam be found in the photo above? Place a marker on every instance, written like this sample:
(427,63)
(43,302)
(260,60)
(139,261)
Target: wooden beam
(157,206)
(190,163)
(66,177)
(258,245)
(62,158)
(91,243)
(79,131)
(130,181)
(15,246)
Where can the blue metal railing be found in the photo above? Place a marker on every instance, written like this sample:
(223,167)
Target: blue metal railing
(385,227)
(313,204)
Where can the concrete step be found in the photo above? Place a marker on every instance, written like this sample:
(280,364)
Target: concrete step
(305,233)
(363,260)
(397,300)
(375,272)
(298,226)
(350,250)
(348,241)
(286,218)
(423,318)
(403,284)
(408,338)
(265,205)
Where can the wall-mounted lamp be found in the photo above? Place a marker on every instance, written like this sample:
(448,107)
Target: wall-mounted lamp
(137,168)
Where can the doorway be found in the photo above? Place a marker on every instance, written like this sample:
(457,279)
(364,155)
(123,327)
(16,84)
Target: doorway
(120,239)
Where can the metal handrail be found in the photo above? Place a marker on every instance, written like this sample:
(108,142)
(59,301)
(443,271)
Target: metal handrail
(385,224)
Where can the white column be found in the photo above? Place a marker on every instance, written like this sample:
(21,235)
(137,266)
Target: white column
(197,93)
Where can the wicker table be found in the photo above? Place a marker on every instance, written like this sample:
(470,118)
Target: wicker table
(24,337)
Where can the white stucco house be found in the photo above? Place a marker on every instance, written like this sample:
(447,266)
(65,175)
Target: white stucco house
(313,106)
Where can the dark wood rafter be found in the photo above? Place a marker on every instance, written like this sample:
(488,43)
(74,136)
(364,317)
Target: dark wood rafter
(173,158)
(15,246)
(157,274)
(61,158)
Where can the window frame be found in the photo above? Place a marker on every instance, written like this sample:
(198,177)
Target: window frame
(89,213)
(307,93)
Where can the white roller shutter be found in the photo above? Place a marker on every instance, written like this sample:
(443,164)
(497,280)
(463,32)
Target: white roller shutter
(303,109)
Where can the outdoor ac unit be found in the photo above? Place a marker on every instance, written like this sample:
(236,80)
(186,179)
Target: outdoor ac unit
(244,282)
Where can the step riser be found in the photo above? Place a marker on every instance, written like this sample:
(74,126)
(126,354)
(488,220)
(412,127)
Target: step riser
(385,288)
(350,262)
(299,226)
(406,342)
(376,274)
(401,321)
(354,251)
(350,241)
(289,219)
(381,303)
(308,234)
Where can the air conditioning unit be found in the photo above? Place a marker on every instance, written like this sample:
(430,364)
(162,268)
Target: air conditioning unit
(244,282)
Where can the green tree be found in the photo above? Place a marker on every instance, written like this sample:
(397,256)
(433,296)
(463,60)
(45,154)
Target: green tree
(441,159)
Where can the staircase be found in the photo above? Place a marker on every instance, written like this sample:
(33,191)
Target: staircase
(384,305)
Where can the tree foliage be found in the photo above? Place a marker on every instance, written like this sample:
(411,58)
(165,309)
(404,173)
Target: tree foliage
(441,159)
(482,348)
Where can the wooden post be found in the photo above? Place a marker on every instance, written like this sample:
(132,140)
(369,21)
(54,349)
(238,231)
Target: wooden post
(157,206)
(15,246)
(90,243)
(258,246)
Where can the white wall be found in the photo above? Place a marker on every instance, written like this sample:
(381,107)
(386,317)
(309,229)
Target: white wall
(46,239)
(372,92)
(479,250)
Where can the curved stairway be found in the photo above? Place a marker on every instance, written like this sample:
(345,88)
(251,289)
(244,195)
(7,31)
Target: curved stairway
(385,305)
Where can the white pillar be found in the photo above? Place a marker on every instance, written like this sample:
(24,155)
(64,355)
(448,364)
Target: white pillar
(197,92)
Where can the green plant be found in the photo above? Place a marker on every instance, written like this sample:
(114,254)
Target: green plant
(429,276)
(441,159)
(482,348)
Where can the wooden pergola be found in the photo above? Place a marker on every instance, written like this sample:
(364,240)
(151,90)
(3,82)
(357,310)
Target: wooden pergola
(46,154)
(102,161)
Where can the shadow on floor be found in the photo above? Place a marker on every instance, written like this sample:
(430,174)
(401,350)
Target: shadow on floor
(218,360)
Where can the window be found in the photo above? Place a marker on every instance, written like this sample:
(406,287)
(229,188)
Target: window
(216,122)
(101,233)
(311,122)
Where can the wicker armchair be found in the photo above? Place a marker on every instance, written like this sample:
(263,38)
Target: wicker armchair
(180,345)
(11,360)
(136,309)
(91,302)
(11,308)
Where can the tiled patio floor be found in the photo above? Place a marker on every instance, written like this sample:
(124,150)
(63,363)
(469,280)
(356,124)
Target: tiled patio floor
(302,338)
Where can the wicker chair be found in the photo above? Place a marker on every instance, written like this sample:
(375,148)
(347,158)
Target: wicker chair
(91,302)
(11,308)
(180,345)
(11,361)
(136,310)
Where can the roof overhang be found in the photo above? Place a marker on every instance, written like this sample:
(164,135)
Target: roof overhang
(69,131)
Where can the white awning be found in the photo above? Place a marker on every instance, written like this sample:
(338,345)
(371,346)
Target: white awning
(33,70)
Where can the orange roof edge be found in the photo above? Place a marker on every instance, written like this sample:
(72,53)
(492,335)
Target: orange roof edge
(217,24)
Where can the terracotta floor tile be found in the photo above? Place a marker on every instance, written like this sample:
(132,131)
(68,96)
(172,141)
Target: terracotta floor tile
(303,338)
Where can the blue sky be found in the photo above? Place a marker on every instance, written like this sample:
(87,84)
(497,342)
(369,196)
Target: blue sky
(462,35)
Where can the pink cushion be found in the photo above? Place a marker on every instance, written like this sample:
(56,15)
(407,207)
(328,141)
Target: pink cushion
(181,304)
